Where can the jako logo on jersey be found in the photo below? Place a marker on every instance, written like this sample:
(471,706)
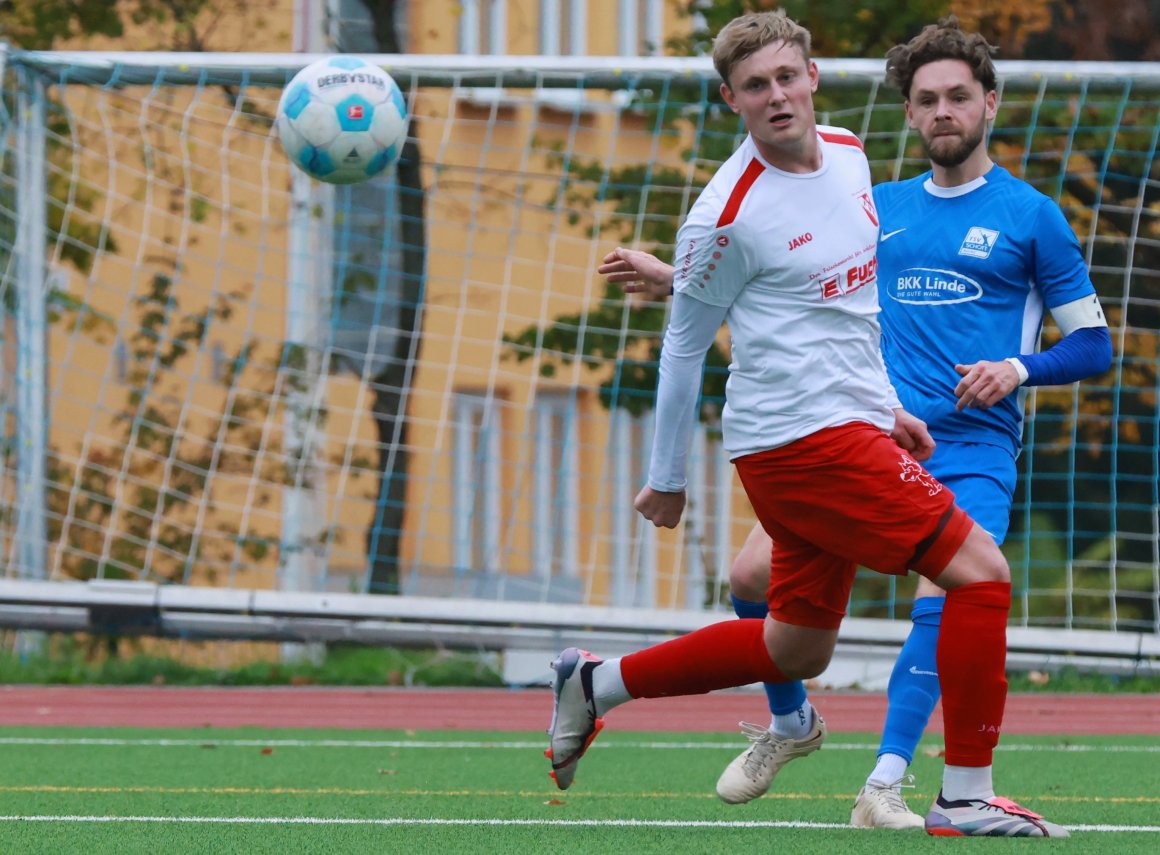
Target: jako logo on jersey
(850,281)
(868,206)
(722,240)
(913,471)
(979,242)
(800,240)
(929,286)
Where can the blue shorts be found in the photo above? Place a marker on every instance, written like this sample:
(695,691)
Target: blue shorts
(982,477)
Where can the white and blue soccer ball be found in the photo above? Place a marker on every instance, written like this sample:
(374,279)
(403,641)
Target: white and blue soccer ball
(342,120)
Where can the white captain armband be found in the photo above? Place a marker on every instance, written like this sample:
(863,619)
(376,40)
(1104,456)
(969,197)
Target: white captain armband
(1019,367)
(1079,314)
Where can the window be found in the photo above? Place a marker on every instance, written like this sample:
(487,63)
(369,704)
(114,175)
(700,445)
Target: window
(350,26)
(483,27)
(640,27)
(476,481)
(555,484)
(634,558)
(708,518)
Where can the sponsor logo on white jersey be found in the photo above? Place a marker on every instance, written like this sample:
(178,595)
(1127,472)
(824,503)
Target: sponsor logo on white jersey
(848,281)
(933,286)
(979,242)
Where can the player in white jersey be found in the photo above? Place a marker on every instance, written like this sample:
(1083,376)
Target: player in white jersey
(968,258)
(824,456)
(744,251)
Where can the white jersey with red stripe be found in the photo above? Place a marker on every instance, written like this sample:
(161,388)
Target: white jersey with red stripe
(792,258)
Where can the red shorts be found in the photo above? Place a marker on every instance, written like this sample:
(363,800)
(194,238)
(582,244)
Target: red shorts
(842,497)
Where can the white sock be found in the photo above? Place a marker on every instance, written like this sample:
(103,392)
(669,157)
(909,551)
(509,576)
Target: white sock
(890,769)
(967,782)
(795,724)
(608,686)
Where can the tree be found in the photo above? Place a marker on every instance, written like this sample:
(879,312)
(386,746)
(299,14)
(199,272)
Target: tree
(837,30)
(179,25)
(1116,30)
(391,385)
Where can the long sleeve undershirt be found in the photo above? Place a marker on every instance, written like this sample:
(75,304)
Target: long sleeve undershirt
(692,328)
(1081,354)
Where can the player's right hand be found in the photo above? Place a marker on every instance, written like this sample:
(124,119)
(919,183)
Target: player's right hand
(985,384)
(638,272)
(661,509)
(912,435)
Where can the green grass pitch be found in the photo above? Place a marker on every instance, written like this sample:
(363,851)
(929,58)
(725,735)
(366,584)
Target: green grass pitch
(67,790)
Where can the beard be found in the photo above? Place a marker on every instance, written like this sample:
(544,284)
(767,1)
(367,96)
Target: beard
(953,153)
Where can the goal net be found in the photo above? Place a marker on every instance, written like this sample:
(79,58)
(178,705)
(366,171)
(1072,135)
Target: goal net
(219,376)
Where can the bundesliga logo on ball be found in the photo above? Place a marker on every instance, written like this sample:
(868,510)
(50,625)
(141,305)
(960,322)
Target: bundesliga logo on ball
(342,120)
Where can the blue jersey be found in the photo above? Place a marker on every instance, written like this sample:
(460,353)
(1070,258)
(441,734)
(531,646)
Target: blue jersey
(964,274)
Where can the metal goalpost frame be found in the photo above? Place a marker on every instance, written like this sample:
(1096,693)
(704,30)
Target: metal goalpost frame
(135,67)
(31,328)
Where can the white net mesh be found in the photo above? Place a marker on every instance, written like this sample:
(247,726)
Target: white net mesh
(419,385)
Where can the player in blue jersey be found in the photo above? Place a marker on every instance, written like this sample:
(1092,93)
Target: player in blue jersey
(968,259)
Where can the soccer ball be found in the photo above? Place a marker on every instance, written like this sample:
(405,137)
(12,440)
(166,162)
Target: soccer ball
(342,120)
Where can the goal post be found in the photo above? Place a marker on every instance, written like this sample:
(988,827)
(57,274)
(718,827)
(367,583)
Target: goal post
(212,369)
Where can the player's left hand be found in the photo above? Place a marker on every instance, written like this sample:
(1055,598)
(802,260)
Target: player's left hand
(911,435)
(985,384)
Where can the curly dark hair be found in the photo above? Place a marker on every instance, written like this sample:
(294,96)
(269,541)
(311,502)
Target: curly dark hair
(944,40)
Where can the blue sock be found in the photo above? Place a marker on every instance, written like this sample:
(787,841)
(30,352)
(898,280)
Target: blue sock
(783,697)
(913,690)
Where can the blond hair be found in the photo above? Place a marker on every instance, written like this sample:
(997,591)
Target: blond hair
(745,35)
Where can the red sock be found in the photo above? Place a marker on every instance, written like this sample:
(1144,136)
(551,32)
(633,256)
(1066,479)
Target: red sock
(718,656)
(972,660)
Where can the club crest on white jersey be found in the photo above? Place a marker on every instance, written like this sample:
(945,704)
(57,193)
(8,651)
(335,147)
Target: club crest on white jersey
(867,200)
(979,242)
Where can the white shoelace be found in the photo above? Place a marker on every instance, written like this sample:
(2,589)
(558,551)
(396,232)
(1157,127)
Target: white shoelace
(759,738)
(891,793)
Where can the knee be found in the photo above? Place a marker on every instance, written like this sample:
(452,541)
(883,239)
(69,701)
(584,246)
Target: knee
(995,568)
(802,664)
(749,578)
(978,560)
(988,563)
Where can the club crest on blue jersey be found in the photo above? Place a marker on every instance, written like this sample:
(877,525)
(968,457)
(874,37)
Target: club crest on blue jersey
(979,242)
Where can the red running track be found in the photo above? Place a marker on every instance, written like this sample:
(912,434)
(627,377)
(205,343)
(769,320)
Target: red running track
(514,710)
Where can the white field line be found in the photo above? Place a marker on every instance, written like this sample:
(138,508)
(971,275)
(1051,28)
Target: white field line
(521,745)
(428,821)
